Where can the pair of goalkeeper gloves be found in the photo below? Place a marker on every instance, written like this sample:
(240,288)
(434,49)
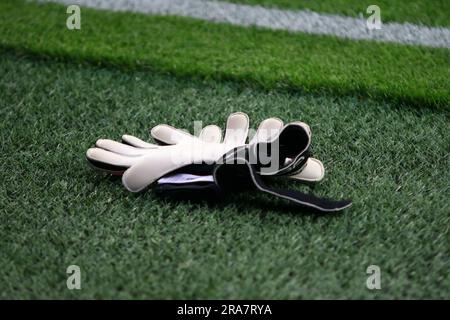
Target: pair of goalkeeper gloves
(182,165)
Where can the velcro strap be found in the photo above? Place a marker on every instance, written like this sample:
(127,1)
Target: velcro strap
(230,177)
(243,167)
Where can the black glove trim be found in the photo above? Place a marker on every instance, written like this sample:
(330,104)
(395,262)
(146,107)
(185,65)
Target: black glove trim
(225,176)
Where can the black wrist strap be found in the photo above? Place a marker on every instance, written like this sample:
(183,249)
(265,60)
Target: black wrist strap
(243,166)
(227,175)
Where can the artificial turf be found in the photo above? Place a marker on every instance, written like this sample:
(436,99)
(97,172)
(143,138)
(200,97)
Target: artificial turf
(56,212)
(271,59)
(431,12)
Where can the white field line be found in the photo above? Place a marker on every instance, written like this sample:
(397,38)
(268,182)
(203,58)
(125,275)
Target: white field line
(290,20)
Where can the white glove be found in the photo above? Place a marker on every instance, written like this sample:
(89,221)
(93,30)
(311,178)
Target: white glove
(313,171)
(114,157)
(286,148)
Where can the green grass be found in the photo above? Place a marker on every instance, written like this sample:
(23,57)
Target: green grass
(55,211)
(431,13)
(270,59)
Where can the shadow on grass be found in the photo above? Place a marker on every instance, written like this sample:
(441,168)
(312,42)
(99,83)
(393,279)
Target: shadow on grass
(246,201)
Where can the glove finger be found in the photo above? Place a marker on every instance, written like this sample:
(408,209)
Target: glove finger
(237,129)
(211,134)
(153,166)
(170,135)
(136,142)
(120,148)
(312,172)
(108,161)
(167,159)
(267,129)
